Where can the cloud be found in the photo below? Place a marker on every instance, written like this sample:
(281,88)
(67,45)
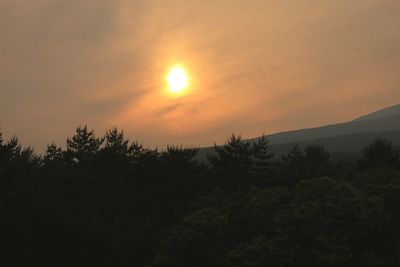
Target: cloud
(256,65)
(168,109)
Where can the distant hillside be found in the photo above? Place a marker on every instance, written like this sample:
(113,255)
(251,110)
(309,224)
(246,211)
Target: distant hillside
(342,137)
(389,123)
(343,143)
(386,112)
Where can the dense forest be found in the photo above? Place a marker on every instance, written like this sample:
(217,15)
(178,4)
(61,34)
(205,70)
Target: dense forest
(106,201)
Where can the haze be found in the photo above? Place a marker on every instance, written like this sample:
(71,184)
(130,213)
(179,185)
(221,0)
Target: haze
(256,66)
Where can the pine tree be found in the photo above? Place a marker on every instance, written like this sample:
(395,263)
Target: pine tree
(54,155)
(380,153)
(83,147)
(292,166)
(317,161)
(115,142)
(262,156)
(233,157)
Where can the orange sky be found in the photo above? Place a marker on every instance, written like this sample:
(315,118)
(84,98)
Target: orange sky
(255,66)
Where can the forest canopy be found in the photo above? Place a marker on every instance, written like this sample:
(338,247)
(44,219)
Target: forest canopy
(107,201)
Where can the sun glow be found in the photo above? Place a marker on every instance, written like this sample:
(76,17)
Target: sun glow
(177,79)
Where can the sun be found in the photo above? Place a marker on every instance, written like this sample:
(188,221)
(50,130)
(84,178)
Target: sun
(177,79)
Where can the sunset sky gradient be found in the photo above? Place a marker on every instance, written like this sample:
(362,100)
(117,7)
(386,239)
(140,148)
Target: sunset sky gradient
(255,66)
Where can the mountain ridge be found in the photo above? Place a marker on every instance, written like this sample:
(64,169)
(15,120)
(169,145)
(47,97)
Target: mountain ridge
(347,136)
(389,123)
(381,113)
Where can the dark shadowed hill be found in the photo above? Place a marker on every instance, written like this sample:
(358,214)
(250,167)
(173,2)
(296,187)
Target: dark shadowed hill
(386,112)
(343,143)
(342,137)
(389,123)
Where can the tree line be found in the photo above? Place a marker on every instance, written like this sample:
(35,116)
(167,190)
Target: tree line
(107,201)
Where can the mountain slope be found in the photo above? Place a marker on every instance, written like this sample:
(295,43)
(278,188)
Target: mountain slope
(389,123)
(342,143)
(342,137)
(386,112)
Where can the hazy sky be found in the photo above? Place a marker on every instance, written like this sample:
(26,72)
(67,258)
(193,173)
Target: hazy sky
(255,66)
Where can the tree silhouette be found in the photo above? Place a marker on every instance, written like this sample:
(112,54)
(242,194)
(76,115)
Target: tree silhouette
(380,153)
(316,159)
(83,147)
(200,236)
(142,156)
(115,142)
(114,155)
(54,156)
(293,166)
(10,152)
(234,157)
(14,158)
(123,204)
(261,156)
(179,157)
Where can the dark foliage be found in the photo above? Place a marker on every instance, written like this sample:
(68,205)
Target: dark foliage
(111,202)
(381,153)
